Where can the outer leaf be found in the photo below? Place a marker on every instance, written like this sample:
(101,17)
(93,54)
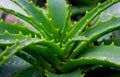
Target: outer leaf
(99,55)
(57,10)
(15,28)
(29,72)
(13,65)
(10,51)
(48,55)
(76,73)
(50,51)
(95,32)
(37,53)
(28,19)
(80,26)
(34,12)
(8,39)
(30,59)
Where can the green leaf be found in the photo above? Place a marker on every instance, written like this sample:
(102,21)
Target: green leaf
(48,51)
(80,26)
(38,26)
(29,72)
(13,65)
(34,12)
(7,38)
(30,59)
(15,28)
(10,51)
(99,29)
(49,57)
(57,10)
(66,27)
(71,42)
(37,55)
(97,55)
(76,73)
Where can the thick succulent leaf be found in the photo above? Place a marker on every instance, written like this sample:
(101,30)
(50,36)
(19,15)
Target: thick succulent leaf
(29,72)
(48,50)
(13,65)
(76,73)
(108,56)
(95,32)
(57,10)
(10,51)
(53,47)
(30,59)
(66,27)
(34,12)
(71,42)
(8,38)
(80,26)
(38,26)
(15,28)
(36,53)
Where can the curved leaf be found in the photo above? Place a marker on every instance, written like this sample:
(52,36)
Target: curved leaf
(15,28)
(95,32)
(38,26)
(29,72)
(10,51)
(8,39)
(108,56)
(34,12)
(57,10)
(80,26)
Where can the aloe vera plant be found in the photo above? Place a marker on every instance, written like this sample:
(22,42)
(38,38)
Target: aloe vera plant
(59,48)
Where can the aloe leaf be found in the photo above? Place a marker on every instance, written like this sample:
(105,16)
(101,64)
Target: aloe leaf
(53,47)
(7,38)
(98,55)
(65,28)
(30,20)
(37,54)
(29,72)
(80,26)
(15,28)
(34,12)
(46,53)
(49,48)
(95,32)
(30,59)
(10,51)
(13,65)
(76,73)
(57,10)
(71,42)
